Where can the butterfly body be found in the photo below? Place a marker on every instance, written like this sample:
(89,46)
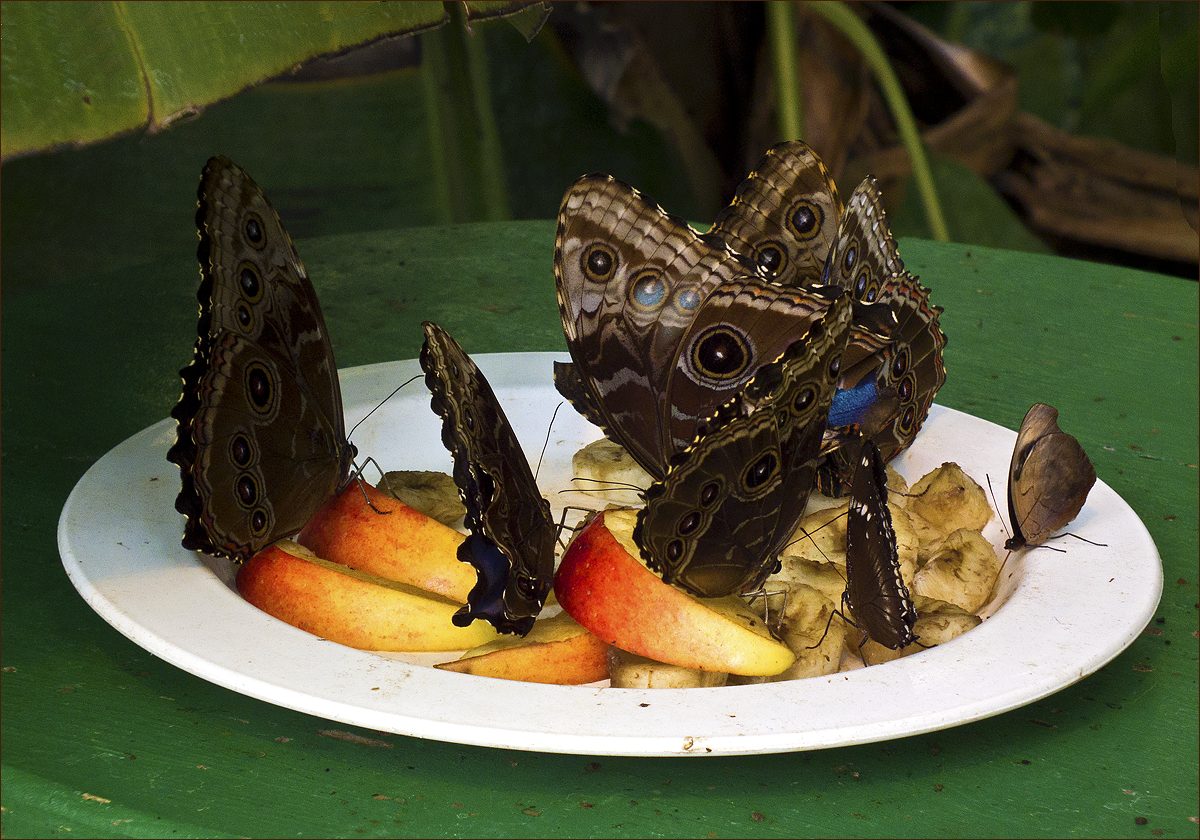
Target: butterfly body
(1049,478)
(261,439)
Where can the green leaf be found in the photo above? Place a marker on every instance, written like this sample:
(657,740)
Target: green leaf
(74,73)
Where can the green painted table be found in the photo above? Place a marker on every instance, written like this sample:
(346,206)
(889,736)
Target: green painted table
(102,739)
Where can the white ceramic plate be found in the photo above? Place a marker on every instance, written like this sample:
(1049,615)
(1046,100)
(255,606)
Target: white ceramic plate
(1056,617)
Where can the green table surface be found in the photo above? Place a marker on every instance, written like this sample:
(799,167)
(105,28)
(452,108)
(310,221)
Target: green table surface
(102,739)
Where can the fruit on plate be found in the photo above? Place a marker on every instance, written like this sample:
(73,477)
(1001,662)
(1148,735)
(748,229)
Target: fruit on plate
(557,650)
(604,585)
(350,606)
(393,541)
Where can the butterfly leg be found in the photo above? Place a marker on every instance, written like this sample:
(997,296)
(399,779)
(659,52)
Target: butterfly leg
(840,613)
(562,522)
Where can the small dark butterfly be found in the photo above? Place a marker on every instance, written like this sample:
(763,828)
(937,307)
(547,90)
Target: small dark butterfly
(730,501)
(1049,478)
(261,439)
(511,544)
(875,590)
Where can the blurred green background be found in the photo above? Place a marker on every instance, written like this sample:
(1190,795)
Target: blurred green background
(467,120)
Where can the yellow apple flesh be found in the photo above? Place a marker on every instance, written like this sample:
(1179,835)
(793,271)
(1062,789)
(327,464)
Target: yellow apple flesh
(606,588)
(392,541)
(557,650)
(350,606)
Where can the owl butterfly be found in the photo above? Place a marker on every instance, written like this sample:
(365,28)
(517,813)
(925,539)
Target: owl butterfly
(730,501)
(787,218)
(1049,478)
(511,544)
(875,590)
(663,324)
(631,278)
(260,439)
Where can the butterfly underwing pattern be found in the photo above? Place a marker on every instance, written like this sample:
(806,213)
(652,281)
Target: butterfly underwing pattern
(511,544)
(891,372)
(1049,478)
(637,291)
(715,524)
(260,437)
(784,215)
(875,590)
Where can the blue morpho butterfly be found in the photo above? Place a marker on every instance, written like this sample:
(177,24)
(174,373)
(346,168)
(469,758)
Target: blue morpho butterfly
(511,544)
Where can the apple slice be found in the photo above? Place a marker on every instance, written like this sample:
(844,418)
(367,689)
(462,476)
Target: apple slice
(350,606)
(393,541)
(557,650)
(604,585)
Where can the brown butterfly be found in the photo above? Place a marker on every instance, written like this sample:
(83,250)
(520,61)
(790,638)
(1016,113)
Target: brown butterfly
(1049,478)
(261,439)
(511,544)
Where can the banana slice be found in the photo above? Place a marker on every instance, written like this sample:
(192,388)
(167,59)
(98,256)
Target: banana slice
(604,470)
(432,493)
(628,670)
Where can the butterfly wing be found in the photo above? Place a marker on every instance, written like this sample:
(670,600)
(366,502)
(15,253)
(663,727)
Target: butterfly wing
(741,326)
(718,520)
(784,215)
(511,544)
(1049,478)
(878,597)
(261,439)
(894,360)
(630,280)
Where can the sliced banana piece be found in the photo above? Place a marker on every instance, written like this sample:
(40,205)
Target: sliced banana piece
(432,493)
(628,670)
(604,470)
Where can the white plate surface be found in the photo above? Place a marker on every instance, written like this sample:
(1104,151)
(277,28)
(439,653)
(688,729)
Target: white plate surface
(1055,619)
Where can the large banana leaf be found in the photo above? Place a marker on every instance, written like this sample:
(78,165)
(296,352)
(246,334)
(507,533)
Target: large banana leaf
(74,73)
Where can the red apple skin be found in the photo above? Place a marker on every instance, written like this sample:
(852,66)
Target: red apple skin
(392,541)
(613,594)
(353,608)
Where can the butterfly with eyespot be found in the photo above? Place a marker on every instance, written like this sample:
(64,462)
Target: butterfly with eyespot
(260,439)
(511,544)
(782,217)
(1049,478)
(630,279)
(716,523)
(663,324)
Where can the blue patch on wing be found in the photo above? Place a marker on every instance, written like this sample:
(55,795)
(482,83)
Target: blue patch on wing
(850,404)
(486,600)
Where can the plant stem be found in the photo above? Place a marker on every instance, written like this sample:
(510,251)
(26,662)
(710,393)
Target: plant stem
(781,29)
(850,25)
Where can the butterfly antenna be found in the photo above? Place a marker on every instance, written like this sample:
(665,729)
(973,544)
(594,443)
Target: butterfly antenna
(997,507)
(808,535)
(385,399)
(1082,539)
(546,442)
(612,485)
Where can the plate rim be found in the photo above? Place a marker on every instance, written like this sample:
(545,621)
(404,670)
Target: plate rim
(507,370)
